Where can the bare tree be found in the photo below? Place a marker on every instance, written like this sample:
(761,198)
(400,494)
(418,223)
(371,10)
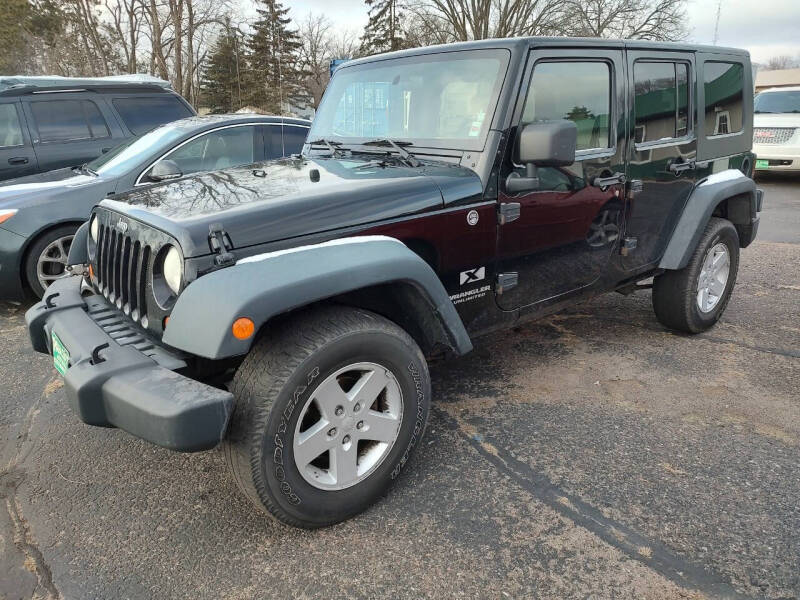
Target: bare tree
(320,45)
(125,28)
(315,34)
(781,62)
(441,21)
(636,19)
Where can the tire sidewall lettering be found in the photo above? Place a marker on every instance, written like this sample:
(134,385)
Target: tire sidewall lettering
(279,443)
(419,423)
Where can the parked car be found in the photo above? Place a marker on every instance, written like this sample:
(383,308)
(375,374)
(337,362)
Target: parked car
(776,129)
(48,123)
(39,214)
(442,193)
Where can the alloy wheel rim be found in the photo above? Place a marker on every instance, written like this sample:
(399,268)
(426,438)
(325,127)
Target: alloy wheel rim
(348,426)
(713,278)
(52,262)
(602,231)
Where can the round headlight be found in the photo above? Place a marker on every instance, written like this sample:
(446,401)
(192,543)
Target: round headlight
(173,269)
(94,228)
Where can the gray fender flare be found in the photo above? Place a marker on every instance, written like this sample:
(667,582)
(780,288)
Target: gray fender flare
(262,286)
(78,252)
(705,197)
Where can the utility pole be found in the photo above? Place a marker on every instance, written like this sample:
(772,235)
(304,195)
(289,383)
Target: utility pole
(716,25)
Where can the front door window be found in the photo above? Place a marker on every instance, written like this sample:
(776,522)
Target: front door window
(567,227)
(216,150)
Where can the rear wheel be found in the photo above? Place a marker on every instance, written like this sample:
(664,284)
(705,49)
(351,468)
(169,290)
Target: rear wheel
(329,406)
(47,258)
(694,298)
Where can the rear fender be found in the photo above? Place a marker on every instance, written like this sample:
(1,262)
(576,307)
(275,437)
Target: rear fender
(731,194)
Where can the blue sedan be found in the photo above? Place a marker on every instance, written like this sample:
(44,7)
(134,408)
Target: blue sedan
(39,214)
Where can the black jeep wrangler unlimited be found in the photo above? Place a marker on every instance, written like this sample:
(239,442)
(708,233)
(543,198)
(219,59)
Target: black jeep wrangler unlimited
(285,310)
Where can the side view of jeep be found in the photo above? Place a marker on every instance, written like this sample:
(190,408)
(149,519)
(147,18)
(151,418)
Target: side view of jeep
(286,310)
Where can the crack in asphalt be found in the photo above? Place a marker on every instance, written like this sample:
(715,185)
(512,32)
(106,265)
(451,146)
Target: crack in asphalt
(654,554)
(10,479)
(23,540)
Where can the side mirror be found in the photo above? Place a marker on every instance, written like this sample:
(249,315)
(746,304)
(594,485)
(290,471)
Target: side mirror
(549,144)
(164,170)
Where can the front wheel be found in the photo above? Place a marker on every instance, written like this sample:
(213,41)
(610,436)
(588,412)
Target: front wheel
(46,260)
(330,405)
(694,298)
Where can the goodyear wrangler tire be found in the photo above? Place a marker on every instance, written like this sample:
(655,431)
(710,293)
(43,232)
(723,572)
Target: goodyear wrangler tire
(693,299)
(330,404)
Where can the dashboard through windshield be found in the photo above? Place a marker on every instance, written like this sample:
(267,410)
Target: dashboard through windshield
(442,100)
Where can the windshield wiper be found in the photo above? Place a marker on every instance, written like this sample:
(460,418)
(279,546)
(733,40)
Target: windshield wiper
(84,168)
(409,158)
(332,145)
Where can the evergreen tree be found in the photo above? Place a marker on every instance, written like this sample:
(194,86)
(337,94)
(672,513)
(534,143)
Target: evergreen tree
(14,17)
(275,75)
(221,84)
(383,32)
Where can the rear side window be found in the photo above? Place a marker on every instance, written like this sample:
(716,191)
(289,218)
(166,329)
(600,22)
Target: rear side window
(661,101)
(577,91)
(293,139)
(291,143)
(724,94)
(10,130)
(63,120)
(141,115)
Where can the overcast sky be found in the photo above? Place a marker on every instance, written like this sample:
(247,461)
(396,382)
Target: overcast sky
(765,27)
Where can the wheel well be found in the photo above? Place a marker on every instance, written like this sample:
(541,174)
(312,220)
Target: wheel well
(735,209)
(32,240)
(401,302)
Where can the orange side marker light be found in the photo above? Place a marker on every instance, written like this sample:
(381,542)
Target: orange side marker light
(243,328)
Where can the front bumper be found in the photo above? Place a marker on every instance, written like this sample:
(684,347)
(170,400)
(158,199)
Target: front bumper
(781,157)
(117,378)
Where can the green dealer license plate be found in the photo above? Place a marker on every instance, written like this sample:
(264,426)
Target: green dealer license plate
(762,164)
(60,355)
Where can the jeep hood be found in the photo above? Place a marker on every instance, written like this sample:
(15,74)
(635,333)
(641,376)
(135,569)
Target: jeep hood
(289,198)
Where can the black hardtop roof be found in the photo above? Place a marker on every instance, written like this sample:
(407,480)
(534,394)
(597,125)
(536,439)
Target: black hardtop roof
(521,43)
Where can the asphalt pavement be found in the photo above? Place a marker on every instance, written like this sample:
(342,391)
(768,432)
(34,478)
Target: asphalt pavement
(590,455)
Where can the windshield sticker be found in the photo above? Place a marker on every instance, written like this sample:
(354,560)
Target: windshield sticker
(475,129)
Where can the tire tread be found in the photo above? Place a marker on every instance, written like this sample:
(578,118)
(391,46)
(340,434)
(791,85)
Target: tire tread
(263,374)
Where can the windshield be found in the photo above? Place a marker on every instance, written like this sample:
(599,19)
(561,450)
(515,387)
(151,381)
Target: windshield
(778,102)
(132,152)
(443,100)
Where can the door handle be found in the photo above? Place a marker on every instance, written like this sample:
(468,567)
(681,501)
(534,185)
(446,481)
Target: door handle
(104,150)
(18,160)
(680,167)
(604,182)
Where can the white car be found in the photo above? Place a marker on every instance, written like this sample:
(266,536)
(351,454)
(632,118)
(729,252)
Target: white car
(776,129)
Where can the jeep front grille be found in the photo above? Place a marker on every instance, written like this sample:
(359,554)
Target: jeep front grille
(121,273)
(772,135)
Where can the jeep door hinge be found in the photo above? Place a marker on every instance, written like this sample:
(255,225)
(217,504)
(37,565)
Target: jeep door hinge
(505,281)
(507,212)
(628,244)
(635,187)
(220,243)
